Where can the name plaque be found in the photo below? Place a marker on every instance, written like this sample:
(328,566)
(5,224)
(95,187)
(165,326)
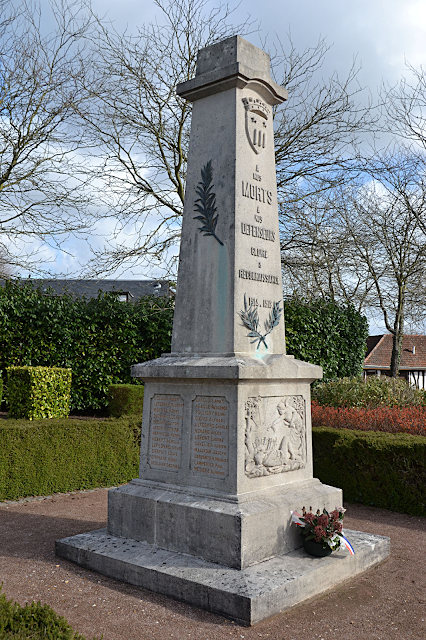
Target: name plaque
(165,432)
(210,436)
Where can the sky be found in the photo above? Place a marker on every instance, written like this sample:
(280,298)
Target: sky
(381,34)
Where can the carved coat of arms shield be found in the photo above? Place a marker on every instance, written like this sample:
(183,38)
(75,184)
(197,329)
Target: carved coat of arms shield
(257,116)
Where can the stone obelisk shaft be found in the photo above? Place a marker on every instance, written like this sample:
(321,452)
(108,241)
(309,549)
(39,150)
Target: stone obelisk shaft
(229,292)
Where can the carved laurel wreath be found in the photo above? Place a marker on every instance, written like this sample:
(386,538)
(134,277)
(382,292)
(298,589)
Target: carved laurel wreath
(250,319)
(205,204)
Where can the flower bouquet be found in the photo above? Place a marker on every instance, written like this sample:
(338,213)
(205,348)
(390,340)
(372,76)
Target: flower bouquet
(322,533)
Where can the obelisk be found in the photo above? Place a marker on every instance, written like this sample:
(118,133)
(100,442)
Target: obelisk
(226,451)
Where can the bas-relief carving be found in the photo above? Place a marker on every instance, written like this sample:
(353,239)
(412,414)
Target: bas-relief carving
(165,432)
(257,116)
(250,320)
(205,204)
(275,435)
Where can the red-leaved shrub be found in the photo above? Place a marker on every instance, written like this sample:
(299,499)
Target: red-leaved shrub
(390,419)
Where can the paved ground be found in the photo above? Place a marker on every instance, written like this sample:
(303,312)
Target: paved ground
(387,603)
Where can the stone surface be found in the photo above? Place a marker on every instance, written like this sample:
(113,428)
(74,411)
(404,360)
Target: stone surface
(238,532)
(226,444)
(237,264)
(248,596)
(246,429)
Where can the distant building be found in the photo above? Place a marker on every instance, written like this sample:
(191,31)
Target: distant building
(413,358)
(126,290)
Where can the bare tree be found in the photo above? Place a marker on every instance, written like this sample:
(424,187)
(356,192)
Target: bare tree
(405,107)
(367,243)
(42,194)
(318,131)
(390,238)
(142,127)
(317,254)
(139,128)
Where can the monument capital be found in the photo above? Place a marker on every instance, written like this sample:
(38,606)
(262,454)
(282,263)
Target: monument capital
(232,63)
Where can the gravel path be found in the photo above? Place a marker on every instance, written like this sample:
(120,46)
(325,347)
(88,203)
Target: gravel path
(387,603)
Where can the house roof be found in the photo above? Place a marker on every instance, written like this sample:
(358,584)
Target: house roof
(379,352)
(90,288)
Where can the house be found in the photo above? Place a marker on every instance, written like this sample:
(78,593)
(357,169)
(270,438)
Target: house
(413,358)
(126,290)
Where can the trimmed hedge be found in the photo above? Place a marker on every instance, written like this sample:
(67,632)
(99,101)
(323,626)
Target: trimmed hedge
(326,333)
(378,469)
(125,400)
(37,621)
(370,393)
(60,455)
(38,392)
(99,339)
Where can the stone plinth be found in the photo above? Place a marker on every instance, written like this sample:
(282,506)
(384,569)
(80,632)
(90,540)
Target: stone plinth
(213,482)
(226,446)
(247,596)
(236,534)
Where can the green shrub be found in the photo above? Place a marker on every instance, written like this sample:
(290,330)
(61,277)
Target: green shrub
(372,393)
(378,469)
(36,621)
(38,392)
(60,455)
(328,334)
(125,399)
(99,339)
(1,390)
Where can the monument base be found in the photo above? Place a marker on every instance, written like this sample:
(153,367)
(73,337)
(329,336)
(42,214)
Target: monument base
(246,596)
(236,531)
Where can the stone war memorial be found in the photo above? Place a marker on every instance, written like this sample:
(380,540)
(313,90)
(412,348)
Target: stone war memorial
(226,449)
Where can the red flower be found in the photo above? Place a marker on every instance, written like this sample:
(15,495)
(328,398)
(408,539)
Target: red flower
(337,526)
(323,520)
(334,515)
(308,518)
(319,533)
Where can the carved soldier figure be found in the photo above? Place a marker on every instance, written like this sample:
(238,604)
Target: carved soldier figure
(288,431)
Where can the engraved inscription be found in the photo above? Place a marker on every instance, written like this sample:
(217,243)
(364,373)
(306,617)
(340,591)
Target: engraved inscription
(210,436)
(254,302)
(259,277)
(254,192)
(165,432)
(275,435)
(259,253)
(257,232)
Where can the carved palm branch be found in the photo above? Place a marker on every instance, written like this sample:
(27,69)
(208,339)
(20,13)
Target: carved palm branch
(274,318)
(205,204)
(250,319)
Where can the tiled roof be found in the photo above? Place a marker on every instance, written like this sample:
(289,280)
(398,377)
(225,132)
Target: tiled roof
(91,288)
(379,354)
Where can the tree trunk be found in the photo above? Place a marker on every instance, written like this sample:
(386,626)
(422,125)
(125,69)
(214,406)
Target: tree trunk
(396,353)
(398,334)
